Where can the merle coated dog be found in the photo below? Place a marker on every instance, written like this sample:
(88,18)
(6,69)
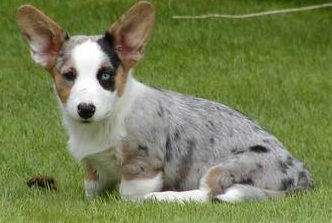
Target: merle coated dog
(155,143)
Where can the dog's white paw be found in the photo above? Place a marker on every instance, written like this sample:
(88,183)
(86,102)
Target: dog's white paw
(179,197)
(91,189)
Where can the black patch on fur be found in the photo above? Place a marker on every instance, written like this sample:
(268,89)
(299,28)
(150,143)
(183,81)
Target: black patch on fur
(248,181)
(258,149)
(287,183)
(289,161)
(231,179)
(259,166)
(106,78)
(212,140)
(302,175)
(107,43)
(168,149)
(143,149)
(283,166)
(67,36)
(304,181)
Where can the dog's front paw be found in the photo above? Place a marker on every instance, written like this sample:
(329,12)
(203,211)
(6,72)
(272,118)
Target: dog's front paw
(91,189)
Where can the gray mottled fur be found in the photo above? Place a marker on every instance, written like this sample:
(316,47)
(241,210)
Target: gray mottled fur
(190,135)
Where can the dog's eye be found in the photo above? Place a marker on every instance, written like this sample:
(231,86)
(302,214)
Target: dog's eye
(105,78)
(69,76)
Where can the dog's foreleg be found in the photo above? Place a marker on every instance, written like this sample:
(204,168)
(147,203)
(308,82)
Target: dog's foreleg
(91,181)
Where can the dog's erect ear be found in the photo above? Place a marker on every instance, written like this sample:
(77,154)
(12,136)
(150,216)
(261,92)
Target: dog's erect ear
(44,37)
(131,32)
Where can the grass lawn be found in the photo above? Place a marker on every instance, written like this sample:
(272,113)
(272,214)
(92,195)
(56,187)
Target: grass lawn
(275,69)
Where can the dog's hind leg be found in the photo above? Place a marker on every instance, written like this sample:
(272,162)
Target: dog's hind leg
(230,182)
(243,192)
(234,194)
(244,178)
(247,179)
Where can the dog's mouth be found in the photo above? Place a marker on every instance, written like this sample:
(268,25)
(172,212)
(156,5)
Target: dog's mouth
(85,121)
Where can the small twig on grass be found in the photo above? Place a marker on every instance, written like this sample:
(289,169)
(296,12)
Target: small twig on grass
(41,181)
(259,14)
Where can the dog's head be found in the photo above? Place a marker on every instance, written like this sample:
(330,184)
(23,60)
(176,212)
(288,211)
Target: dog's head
(89,72)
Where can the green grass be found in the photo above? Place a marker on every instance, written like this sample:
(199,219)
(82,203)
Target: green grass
(275,69)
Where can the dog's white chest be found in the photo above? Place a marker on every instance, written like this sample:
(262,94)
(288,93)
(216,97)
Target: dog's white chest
(95,139)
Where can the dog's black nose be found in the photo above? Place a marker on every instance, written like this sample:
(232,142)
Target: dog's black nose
(86,110)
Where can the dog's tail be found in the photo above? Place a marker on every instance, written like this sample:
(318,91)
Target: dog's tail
(242,192)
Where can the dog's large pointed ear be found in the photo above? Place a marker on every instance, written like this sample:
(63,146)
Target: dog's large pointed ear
(131,32)
(44,37)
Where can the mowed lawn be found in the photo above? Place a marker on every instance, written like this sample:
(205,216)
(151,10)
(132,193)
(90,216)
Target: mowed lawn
(275,69)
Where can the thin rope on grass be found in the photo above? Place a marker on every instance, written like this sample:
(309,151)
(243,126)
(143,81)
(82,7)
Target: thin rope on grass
(259,14)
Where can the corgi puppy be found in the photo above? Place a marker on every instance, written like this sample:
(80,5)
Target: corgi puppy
(152,143)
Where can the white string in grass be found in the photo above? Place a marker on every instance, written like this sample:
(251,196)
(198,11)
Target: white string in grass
(258,14)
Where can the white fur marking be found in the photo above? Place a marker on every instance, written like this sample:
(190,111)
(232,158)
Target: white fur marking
(91,189)
(88,57)
(138,188)
(180,197)
(239,193)
(232,195)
